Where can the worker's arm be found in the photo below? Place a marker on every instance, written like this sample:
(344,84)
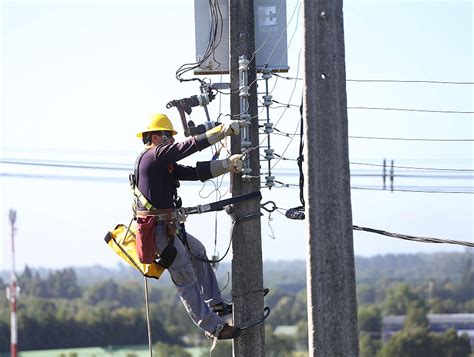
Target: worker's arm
(177,151)
(216,134)
(214,168)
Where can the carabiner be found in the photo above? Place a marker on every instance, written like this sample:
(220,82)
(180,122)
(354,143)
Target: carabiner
(273,208)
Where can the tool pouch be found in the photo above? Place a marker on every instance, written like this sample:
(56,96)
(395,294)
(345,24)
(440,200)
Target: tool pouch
(145,239)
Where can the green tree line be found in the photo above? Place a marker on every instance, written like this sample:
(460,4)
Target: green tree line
(61,308)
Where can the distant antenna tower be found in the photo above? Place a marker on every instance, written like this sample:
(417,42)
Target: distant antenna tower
(13,290)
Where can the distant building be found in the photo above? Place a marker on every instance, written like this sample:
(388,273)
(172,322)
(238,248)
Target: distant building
(439,323)
(286,330)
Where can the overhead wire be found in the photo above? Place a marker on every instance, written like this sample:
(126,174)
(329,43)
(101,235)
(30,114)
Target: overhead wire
(389,190)
(413,110)
(408,81)
(297,6)
(391,81)
(412,167)
(123,167)
(414,238)
(410,139)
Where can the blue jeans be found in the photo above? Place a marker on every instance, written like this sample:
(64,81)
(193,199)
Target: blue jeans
(195,280)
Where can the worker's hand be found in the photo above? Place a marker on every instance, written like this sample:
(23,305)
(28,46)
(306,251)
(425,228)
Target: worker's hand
(236,163)
(231,129)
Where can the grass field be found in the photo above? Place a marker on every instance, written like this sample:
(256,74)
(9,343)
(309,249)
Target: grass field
(122,351)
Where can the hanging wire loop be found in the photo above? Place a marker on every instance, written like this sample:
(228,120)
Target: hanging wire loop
(270,209)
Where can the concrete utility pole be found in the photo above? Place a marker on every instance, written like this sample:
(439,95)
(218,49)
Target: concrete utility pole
(247,269)
(332,307)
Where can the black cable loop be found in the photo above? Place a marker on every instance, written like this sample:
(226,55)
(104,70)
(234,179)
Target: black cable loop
(266,313)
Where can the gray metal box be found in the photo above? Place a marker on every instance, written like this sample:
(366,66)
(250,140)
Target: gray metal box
(270,36)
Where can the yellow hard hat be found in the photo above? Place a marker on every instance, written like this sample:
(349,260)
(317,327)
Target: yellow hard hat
(158,122)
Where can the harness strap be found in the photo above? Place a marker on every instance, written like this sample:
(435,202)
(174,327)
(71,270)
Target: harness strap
(220,205)
(136,191)
(143,200)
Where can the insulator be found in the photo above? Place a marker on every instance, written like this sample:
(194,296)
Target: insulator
(269,154)
(243,63)
(268,128)
(267,100)
(214,259)
(270,181)
(245,143)
(244,91)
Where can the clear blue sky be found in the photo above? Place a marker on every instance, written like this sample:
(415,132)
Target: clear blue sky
(80,77)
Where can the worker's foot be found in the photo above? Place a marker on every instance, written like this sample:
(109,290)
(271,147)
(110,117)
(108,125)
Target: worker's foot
(222,309)
(228,332)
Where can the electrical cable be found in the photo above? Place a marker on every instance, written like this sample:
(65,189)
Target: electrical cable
(388,80)
(427,189)
(413,191)
(414,238)
(412,167)
(288,105)
(298,5)
(65,177)
(262,45)
(414,110)
(407,81)
(410,139)
(51,163)
(215,36)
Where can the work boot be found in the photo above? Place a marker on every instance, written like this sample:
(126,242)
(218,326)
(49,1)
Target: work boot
(222,309)
(228,332)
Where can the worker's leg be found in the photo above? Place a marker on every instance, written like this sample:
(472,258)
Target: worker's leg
(204,272)
(184,278)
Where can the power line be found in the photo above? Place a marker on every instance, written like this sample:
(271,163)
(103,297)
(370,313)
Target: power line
(282,133)
(413,110)
(389,80)
(64,165)
(414,238)
(117,167)
(64,177)
(123,180)
(412,167)
(289,105)
(409,190)
(428,189)
(410,139)
(407,81)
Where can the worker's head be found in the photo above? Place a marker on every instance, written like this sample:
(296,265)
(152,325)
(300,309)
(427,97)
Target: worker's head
(159,130)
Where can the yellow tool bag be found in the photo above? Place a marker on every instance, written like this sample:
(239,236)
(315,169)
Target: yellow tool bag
(122,240)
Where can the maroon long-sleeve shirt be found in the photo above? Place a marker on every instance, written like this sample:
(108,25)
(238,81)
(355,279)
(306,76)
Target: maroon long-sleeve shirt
(159,173)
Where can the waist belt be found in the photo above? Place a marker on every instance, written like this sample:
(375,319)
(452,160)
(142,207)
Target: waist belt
(160,215)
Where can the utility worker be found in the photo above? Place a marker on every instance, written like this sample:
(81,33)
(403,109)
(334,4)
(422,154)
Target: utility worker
(158,179)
